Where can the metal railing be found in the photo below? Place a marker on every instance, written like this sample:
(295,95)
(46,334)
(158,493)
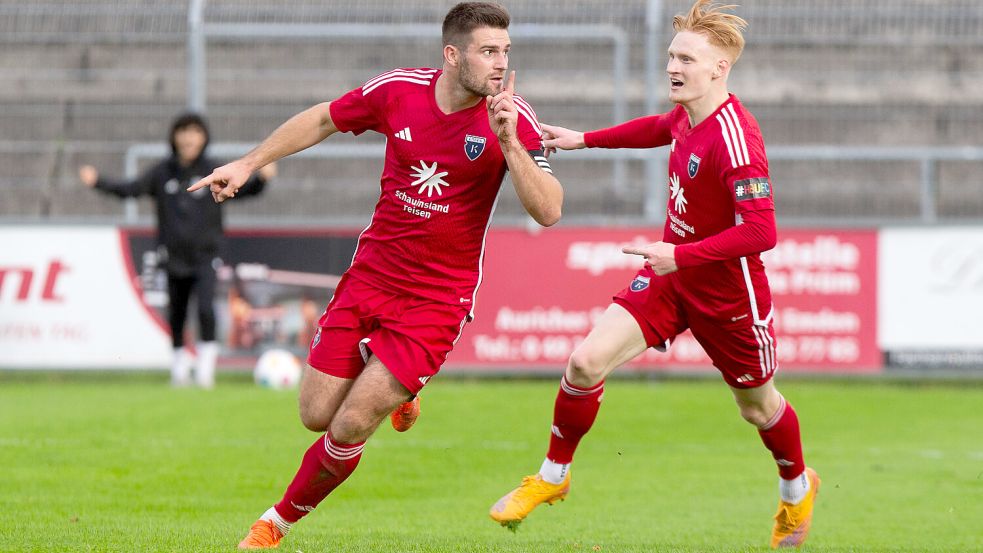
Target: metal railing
(654,201)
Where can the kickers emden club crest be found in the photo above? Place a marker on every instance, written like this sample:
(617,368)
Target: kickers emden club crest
(693,166)
(473,146)
(640,283)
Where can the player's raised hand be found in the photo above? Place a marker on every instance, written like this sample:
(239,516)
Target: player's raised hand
(88,175)
(502,113)
(661,256)
(559,138)
(224,181)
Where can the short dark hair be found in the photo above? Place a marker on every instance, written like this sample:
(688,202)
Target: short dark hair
(185,120)
(468,16)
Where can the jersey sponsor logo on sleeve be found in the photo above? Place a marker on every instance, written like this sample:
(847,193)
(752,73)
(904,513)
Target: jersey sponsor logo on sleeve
(640,283)
(693,166)
(473,146)
(752,189)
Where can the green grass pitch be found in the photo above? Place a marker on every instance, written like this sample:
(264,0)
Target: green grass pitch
(122,463)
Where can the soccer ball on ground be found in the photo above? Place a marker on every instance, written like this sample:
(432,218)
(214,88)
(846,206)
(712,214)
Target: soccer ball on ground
(277,369)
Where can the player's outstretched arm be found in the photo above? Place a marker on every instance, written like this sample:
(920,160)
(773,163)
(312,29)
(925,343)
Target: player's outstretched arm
(560,138)
(299,132)
(540,193)
(143,184)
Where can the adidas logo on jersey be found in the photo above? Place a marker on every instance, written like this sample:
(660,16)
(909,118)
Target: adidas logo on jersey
(405,135)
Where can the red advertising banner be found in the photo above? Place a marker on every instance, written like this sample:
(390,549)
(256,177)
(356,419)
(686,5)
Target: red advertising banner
(824,285)
(542,292)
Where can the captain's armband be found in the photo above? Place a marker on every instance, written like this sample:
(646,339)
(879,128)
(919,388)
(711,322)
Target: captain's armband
(540,158)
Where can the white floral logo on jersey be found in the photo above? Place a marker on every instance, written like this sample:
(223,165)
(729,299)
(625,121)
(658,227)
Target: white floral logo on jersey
(429,179)
(677,193)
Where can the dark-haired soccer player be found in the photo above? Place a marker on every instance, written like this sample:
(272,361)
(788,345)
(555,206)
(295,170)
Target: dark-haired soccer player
(706,274)
(451,135)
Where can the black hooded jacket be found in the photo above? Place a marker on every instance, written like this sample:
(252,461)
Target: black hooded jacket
(189,223)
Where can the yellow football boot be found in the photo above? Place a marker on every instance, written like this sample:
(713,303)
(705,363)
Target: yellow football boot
(792,522)
(263,534)
(518,503)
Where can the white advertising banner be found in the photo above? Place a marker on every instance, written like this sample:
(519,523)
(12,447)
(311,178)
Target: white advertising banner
(931,289)
(69,300)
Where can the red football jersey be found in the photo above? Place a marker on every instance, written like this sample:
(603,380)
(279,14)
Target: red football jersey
(439,187)
(718,171)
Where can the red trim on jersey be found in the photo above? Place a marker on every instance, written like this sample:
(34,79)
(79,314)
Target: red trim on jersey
(756,234)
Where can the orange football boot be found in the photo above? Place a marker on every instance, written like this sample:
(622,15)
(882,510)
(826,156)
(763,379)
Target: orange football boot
(512,508)
(792,522)
(405,415)
(263,534)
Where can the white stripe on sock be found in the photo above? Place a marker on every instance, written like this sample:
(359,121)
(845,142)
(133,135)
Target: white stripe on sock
(277,520)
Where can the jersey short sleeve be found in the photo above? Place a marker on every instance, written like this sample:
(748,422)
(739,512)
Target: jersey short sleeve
(743,163)
(530,133)
(357,112)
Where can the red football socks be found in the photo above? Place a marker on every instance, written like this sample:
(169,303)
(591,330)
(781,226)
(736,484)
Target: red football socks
(781,437)
(325,466)
(573,415)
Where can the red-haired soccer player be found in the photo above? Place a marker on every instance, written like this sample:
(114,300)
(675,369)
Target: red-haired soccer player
(397,312)
(706,274)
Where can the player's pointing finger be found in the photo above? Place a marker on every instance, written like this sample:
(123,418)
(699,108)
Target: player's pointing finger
(207,181)
(510,86)
(634,251)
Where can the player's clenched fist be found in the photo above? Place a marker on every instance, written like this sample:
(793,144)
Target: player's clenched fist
(225,181)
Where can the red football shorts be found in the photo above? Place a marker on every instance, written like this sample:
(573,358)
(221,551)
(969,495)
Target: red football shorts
(742,351)
(410,335)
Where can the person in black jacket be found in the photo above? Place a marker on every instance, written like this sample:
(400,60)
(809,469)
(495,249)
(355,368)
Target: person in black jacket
(189,236)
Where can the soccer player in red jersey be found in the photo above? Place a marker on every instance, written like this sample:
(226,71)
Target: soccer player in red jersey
(451,135)
(705,275)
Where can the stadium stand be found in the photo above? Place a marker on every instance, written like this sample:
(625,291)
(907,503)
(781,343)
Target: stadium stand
(82,81)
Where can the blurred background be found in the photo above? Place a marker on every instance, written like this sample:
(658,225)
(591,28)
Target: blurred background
(872,113)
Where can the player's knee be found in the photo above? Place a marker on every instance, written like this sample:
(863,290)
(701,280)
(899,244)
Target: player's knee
(312,418)
(313,423)
(754,413)
(349,426)
(585,368)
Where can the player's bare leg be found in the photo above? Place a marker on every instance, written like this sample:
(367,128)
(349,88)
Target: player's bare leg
(798,485)
(320,397)
(615,340)
(374,395)
(365,403)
